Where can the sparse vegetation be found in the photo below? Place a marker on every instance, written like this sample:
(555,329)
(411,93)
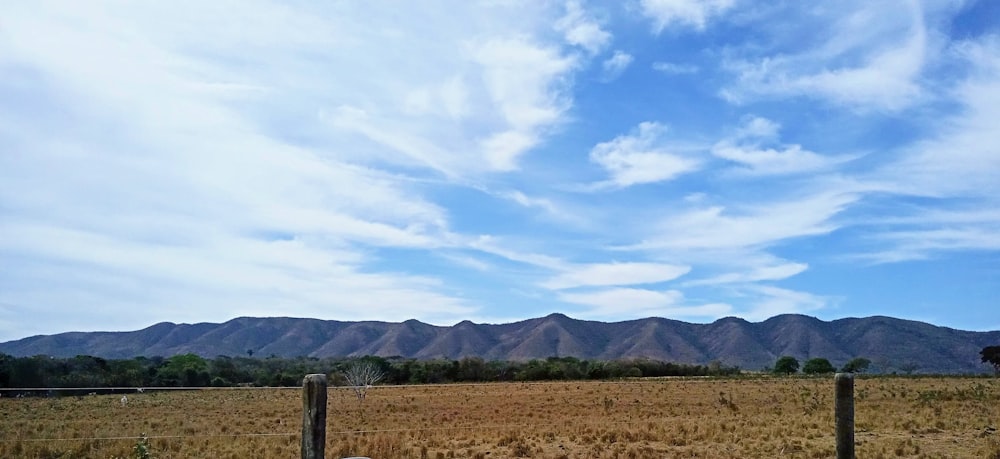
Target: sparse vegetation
(928,417)
(362,375)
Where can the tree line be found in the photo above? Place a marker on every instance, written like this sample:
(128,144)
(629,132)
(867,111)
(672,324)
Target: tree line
(786,365)
(190,370)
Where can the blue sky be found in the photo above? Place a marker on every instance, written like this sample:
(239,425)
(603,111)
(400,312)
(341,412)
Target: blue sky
(497,160)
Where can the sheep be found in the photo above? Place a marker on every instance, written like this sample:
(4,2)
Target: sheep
(124,400)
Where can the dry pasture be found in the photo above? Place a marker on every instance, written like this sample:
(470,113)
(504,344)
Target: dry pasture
(644,418)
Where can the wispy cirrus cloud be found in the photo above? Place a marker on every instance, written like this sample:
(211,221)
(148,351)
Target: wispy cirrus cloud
(615,65)
(671,68)
(268,164)
(758,225)
(747,148)
(695,13)
(753,269)
(380,161)
(956,166)
(605,274)
(960,157)
(606,303)
(525,83)
(767,301)
(870,58)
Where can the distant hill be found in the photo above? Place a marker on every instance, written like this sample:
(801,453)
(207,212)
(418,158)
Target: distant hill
(891,344)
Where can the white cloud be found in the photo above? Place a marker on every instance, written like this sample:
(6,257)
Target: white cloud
(768,301)
(448,98)
(746,149)
(606,274)
(631,302)
(769,161)
(757,128)
(872,58)
(212,277)
(919,244)
(467,261)
(525,83)
(308,162)
(751,226)
(758,273)
(957,165)
(696,13)
(502,149)
(527,201)
(580,29)
(258,169)
(494,246)
(929,233)
(670,68)
(551,210)
(615,65)
(961,158)
(416,150)
(640,157)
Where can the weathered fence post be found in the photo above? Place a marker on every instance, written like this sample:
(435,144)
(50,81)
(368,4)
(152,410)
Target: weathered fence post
(314,416)
(844,412)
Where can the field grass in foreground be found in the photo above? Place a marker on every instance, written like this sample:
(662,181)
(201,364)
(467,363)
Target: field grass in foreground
(705,418)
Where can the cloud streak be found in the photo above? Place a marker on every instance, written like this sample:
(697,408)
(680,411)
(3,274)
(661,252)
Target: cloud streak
(876,63)
(695,13)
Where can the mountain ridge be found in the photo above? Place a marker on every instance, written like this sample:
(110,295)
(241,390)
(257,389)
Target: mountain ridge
(892,344)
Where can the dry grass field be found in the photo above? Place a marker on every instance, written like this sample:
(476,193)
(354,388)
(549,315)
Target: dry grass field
(704,418)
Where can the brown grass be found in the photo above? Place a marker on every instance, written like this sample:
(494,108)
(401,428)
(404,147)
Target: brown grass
(766,417)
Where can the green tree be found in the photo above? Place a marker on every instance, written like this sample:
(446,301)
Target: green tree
(786,365)
(6,363)
(856,365)
(991,355)
(818,366)
(183,370)
(29,371)
(126,373)
(224,368)
(472,369)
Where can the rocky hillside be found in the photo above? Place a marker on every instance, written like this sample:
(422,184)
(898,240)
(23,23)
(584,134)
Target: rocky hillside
(891,344)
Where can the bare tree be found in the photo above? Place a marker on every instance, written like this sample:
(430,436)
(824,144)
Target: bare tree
(362,375)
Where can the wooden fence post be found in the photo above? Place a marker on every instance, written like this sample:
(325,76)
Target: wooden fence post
(314,416)
(844,412)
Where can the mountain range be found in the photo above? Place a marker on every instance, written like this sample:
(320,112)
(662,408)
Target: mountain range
(891,344)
